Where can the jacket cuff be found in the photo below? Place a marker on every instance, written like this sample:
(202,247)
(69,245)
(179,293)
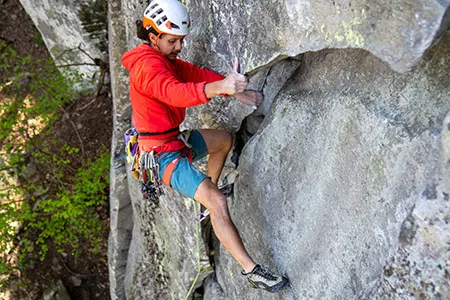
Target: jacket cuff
(201,92)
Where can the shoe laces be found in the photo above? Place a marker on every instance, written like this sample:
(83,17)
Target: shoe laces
(265,273)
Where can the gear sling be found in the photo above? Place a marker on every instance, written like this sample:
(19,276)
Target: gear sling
(143,159)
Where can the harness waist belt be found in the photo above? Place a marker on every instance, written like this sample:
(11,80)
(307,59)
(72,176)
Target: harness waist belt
(153,134)
(156,143)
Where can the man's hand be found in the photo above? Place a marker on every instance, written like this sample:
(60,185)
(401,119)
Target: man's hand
(250,97)
(234,83)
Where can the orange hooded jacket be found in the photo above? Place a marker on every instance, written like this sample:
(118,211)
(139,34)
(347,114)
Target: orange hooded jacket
(161,90)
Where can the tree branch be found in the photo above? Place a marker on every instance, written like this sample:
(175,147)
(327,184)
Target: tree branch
(79,138)
(75,64)
(96,62)
(76,131)
(76,274)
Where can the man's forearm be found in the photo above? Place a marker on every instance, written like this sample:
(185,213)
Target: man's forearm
(213,89)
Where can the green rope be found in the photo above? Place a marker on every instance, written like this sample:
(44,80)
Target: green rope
(197,232)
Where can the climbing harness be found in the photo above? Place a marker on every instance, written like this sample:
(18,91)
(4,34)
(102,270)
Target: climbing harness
(145,168)
(185,152)
(184,137)
(144,164)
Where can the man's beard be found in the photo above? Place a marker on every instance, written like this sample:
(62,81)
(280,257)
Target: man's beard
(173,55)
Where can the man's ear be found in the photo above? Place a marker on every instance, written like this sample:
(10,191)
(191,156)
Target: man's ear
(153,39)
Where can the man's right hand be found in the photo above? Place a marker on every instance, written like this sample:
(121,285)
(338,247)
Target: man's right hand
(233,84)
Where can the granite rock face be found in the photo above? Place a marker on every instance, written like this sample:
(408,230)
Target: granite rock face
(263,32)
(60,24)
(121,211)
(421,266)
(340,185)
(164,252)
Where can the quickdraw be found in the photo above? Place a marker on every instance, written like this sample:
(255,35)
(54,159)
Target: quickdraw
(143,167)
(151,186)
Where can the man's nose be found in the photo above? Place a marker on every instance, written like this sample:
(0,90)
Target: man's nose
(179,45)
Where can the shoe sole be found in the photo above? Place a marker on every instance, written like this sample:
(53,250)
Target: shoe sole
(274,289)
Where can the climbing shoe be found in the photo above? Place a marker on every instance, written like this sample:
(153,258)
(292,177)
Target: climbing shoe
(227,190)
(262,278)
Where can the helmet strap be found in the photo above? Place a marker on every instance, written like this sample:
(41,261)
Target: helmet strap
(155,46)
(157,40)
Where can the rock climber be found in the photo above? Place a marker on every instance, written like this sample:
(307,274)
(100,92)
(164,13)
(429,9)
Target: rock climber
(162,86)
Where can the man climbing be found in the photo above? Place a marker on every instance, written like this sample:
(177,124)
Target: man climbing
(161,88)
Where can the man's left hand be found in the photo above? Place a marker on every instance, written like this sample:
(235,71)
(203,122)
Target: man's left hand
(250,97)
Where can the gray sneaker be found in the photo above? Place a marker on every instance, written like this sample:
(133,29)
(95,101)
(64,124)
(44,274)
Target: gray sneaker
(262,278)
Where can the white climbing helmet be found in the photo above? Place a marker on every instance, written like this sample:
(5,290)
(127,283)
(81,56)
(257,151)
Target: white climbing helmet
(167,16)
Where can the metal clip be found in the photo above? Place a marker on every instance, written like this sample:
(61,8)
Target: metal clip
(184,137)
(201,216)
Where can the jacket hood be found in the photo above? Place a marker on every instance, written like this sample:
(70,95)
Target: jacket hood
(134,55)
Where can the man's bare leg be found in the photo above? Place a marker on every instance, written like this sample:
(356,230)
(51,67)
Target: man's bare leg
(210,197)
(219,143)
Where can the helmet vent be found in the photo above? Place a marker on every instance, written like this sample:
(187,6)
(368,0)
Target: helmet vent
(156,13)
(161,20)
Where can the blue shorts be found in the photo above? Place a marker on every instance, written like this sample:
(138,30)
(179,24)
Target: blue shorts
(185,177)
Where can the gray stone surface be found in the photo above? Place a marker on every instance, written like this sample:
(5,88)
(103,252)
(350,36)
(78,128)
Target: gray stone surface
(212,289)
(56,292)
(421,267)
(346,153)
(121,214)
(163,255)
(262,32)
(61,29)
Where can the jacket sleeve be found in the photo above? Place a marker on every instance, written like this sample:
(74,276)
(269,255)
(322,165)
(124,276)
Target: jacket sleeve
(192,73)
(155,80)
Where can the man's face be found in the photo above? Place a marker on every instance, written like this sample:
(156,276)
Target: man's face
(170,45)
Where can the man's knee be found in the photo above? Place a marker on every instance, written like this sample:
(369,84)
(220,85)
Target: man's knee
(219,205)
(217,140)
(208,195)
